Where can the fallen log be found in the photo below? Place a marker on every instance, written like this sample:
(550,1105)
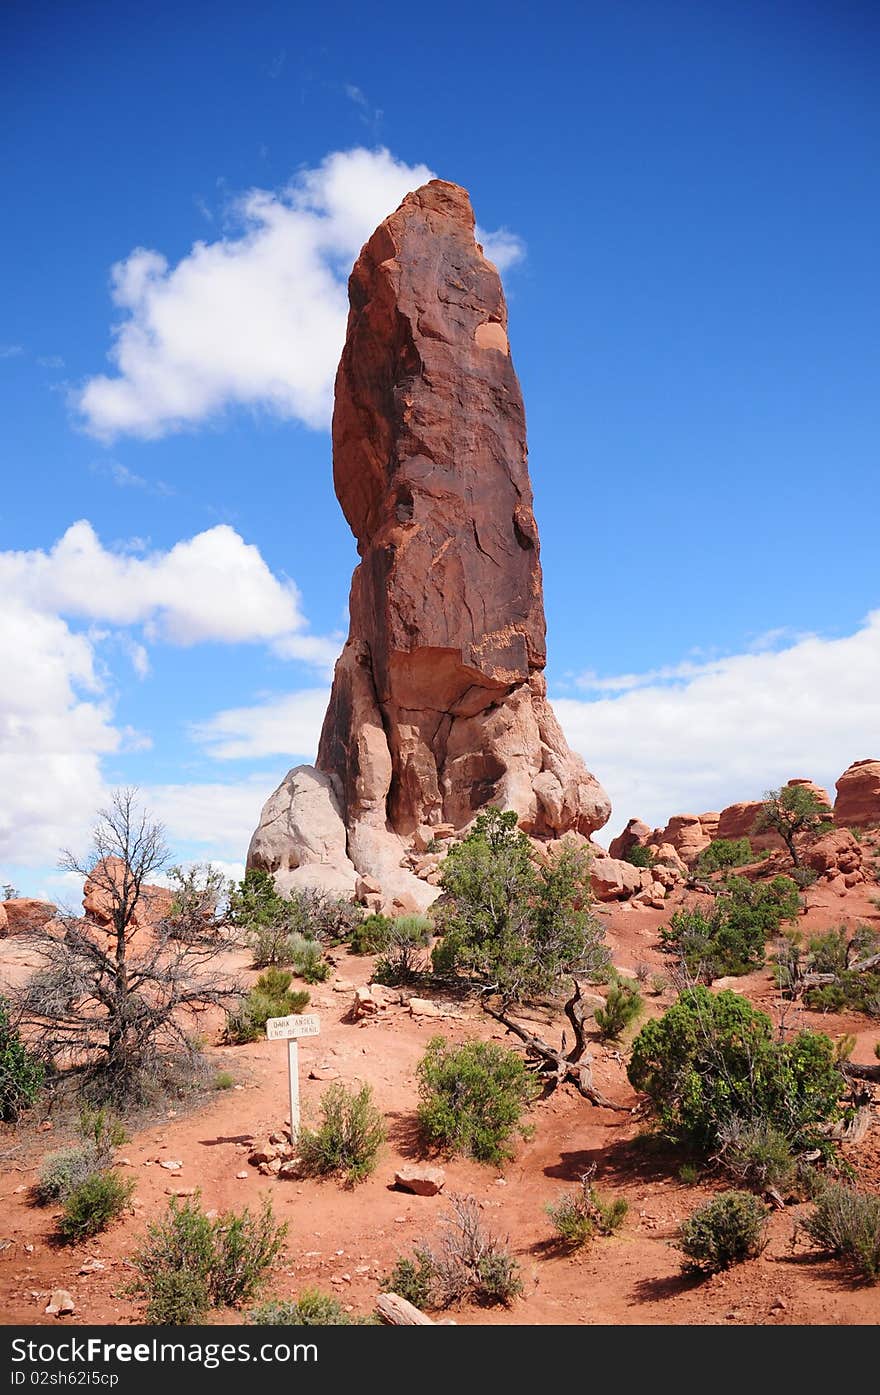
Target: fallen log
(398,1312)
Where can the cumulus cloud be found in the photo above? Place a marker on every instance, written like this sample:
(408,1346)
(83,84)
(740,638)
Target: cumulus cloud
(693,737)
(279,726)
(503,247)
(211,587)
(256,318)
(216,818)
(57,707)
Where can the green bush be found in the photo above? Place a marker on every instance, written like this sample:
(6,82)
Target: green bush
(21,1072)
(269,923)
(728,1230)
(271,996)
(93,1204)
(473,1097)
(403,959)
(623,1003)
(307,959)
(755,1151)
(835,952)
(465,1262)
(311,1309)
(731,937)
(370,935)
(411,1278)
(223,1080)
(724,853)
(511,920)
(846,1223)
(578,1217)
(711,1058)
(348,1139)
(189,1262)
(640,856)
(63,1171)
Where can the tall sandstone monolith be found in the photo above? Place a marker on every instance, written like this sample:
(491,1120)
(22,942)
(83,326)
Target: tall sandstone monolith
(439,704)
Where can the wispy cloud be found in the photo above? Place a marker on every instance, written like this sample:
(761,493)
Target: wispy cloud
(11,350)
(124,478)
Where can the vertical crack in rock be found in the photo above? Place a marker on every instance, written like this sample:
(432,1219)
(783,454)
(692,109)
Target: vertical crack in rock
(439,703)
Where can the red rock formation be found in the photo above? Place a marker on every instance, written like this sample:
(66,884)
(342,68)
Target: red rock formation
(23,913)
(635,835)
(153,904)
(858,795)
(439,702)
(836,854)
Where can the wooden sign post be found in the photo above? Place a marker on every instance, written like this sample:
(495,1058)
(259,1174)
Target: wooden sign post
(290,1029)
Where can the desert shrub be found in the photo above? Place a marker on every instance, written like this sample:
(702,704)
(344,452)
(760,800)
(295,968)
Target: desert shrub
(348,1139)
(67,1169)
(21,1071)
(511,920)
(804,877)
(325,915)
(223,1080)
(271,996)
(370,935)
(312,1309)
(190,1261)
(403,959)
(658,985)
(689,1174)
(846,1223)
(93,1204)
(710,1058)
(640,856)
(623,1003)
(731,937)
(724,853)
(726,1231)
(270,923)
(837,953)
(411,1278)
(465,1262)
(473,1097)
(578,1217)
(198,906)
(791,811)
(306,958)
(756,1152)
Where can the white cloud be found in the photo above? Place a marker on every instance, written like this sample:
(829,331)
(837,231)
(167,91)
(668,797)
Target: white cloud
(57,704)
(693,737)
(256,318)
(214,816)
(503,247)
(282,726)
(211,587)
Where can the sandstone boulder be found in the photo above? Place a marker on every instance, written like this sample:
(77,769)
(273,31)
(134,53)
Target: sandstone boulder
(685,834)
(666,855)
(154,902)
(636,834)
(858,795)
(301,836)
(23,913)
(420,1178)
(613,879)
(836,854)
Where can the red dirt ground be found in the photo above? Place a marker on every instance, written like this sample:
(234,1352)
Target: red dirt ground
(343,1240)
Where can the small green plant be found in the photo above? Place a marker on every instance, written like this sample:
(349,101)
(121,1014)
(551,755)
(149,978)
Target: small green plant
(473,1097)
(640,856)
(307,959)
(412,1277)
(623,1003)
(190,1262)
(465,1262)
(21,1072)
(223,1080)
(580,1216)
(846,1223)
(403,959)
(658,985)
(64,1171)
(93,1205)
(688,1174)
(726,1231)
(724,853)
(312,1309)
(370,935)
(348,1139)
(757,1152)
(271,996)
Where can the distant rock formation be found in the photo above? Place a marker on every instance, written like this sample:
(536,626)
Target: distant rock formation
(858,795)
(439,705)
(23,914)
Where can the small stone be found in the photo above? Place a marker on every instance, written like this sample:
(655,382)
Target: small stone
(171,1164)
(421,1179)
(241,1176)
(421,1007)
(180,1191)
(92,1266)
(60,1303)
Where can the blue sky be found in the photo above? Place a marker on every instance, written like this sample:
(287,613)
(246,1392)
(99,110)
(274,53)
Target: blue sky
(685,205)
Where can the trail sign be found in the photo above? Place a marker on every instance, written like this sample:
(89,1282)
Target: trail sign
(290,1029)
(299,1024)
